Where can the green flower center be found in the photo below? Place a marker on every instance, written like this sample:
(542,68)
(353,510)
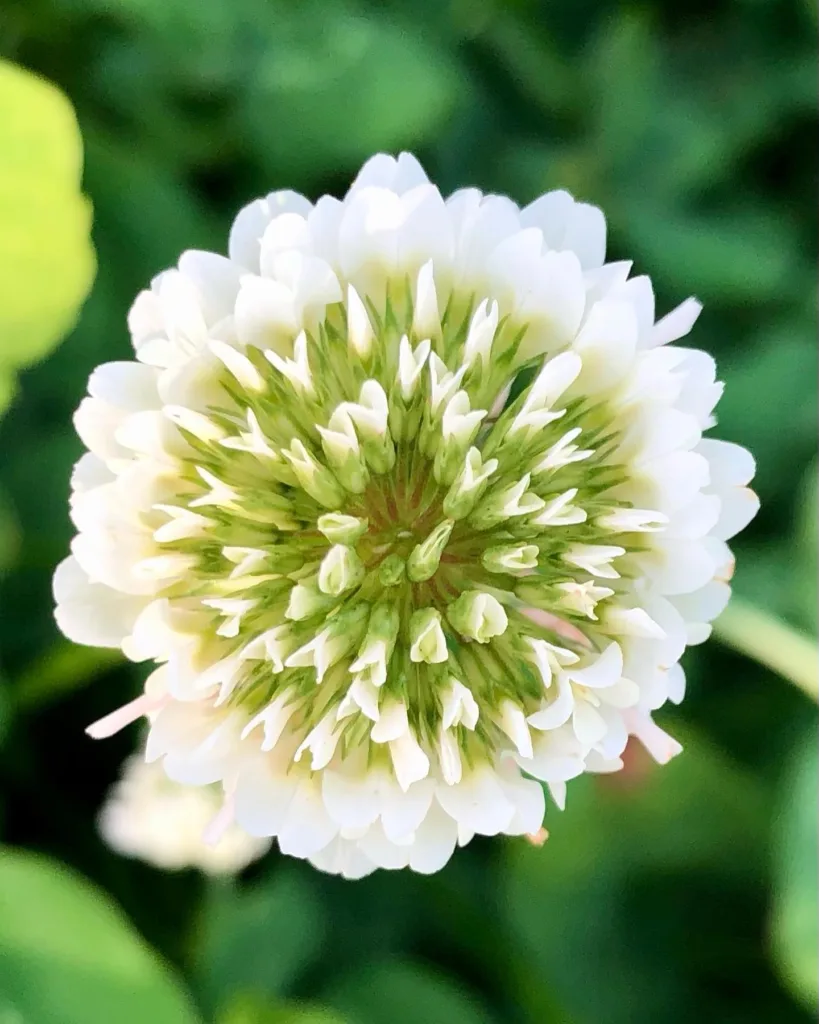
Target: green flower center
(382,517)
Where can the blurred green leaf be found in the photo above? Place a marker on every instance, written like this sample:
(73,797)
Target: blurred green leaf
(60,671)
(146,214)
(745,255)
(795,926)
(590,921)
(251,1010)
(394,87)
(765,577)
(5,718)
(533,60)
(781,576)
(68,955)
(404,993)
(6,388)
(46,259)
(772,643)
(259,938)
(624,66)
(806,554)
(10,534)
(775,369)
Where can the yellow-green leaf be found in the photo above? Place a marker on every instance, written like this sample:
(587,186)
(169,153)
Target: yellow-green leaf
(46,259)
(249,1009)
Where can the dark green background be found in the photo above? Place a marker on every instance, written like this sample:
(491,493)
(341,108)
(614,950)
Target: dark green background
(693,126)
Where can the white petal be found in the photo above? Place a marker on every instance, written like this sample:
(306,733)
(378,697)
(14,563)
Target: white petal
(391,724)
(91,613)
(676,684)
(307,827)
(217,282)
(398,174)
(632,622)
(426,231)
(324,220)
(623,694)
(738,508)
(549,212)
(352,800)
(97,423)
(589,725)
(246,233)
(695,519)
(479,224)
(657,742)
(285,232)
(409,762)
(639,292)
(402,812)
(426,319)
(434,842)
(265,312)
(558,756)
(449,758)
(603,671)
(359,329)
(676,324)
(127,385)
(731,464)
(528,799)
(595,762)
(459,707)
(556,712)
(478,802)
(586,235)
(382,851)
(262,799)
(703,605)
(343,857)
(89,472)
(557,791)
(606,344)
(513,723)
(678,566)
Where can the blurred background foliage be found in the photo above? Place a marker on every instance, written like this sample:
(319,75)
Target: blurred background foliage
(663,894)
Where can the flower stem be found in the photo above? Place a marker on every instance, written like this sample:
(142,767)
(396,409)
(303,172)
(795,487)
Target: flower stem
(771,642)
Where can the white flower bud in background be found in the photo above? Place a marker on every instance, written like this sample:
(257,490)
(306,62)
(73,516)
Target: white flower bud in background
(174,826)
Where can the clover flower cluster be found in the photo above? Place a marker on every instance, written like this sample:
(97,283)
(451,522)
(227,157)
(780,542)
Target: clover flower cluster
(409,501)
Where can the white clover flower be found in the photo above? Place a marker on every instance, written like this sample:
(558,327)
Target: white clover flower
(386,601)
(174,826)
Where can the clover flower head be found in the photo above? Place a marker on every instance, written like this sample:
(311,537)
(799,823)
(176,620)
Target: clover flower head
(409,501)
